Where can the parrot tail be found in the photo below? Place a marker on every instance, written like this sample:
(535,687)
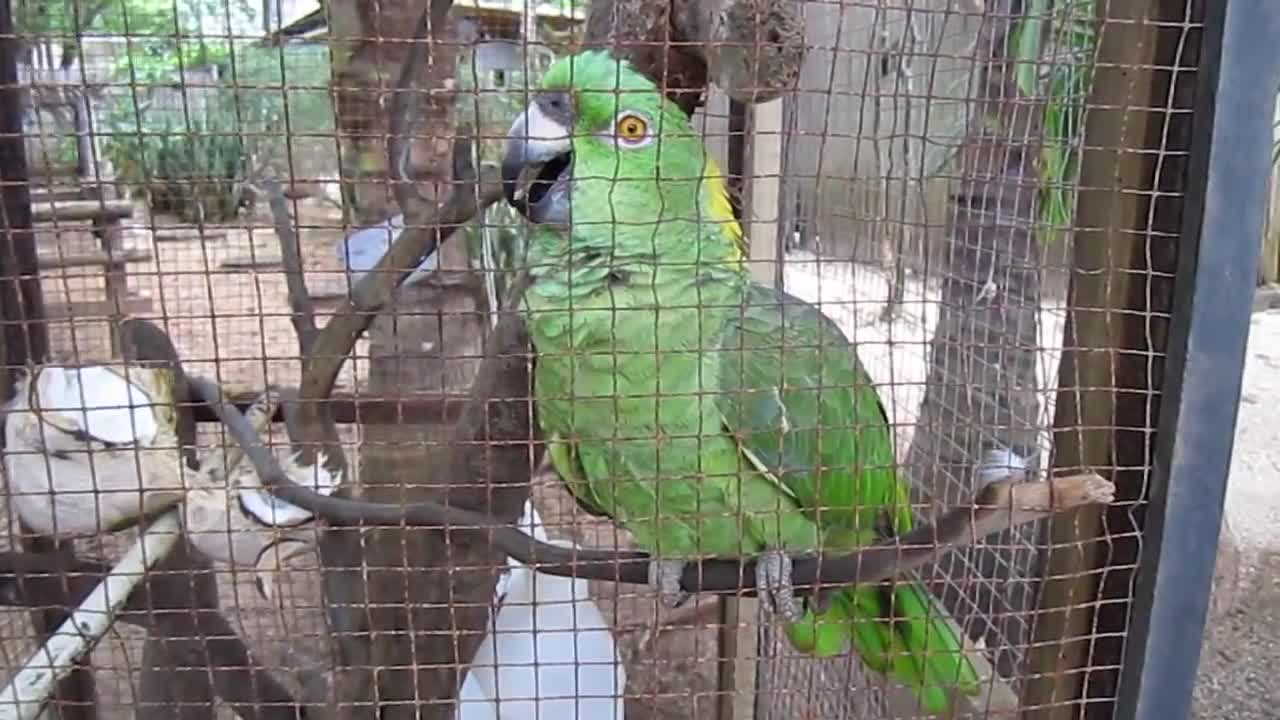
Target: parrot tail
(898,631)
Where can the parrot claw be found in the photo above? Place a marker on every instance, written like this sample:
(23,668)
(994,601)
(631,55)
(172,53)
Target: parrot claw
(820,600)
(665,575)
(773,584)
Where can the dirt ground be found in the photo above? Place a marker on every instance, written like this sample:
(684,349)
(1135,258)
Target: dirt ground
(230,322)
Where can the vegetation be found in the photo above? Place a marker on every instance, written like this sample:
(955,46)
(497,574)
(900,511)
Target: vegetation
(193,114)
(197,154)
(1055,63)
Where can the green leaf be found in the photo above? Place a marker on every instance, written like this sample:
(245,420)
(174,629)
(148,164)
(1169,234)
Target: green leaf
(1028,47)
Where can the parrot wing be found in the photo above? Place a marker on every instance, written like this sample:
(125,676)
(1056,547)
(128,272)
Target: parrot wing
(793,392)
(564,458)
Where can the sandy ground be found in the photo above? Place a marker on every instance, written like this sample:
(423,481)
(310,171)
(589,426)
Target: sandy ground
(231,323)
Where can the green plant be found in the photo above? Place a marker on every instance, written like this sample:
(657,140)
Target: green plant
(1060,71)
(196,160)
(278,95)
(193,169)
(191,147)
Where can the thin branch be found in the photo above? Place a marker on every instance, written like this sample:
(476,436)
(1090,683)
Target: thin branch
(374,291)
(1001,505)
(302,309)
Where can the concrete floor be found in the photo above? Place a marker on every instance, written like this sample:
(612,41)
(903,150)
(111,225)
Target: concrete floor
(1240,662)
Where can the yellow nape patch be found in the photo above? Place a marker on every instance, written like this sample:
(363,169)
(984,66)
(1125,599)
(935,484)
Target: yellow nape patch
(720,210)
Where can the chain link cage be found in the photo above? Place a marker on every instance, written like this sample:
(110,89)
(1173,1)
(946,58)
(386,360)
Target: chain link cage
(398,433)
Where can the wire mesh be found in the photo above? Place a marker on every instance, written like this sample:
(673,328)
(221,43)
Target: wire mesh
(915,180)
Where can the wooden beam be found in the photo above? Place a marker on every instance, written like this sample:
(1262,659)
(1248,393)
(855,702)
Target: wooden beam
(764,177)
(1270,267)
(48,261)
(82,211)
(1121,294)
(760,157)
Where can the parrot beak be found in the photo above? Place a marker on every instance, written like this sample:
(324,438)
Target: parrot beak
(539,143)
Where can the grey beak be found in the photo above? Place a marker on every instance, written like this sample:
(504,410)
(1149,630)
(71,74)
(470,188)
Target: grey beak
(534,139)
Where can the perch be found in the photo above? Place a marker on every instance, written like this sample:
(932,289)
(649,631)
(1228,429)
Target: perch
(105,211)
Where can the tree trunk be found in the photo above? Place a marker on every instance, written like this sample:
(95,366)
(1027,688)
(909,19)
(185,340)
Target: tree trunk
(980,393)
(408,631)
(369,41)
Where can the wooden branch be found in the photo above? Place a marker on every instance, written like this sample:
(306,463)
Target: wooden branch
(374,292)
(185,667)
(303,314)
(407,608)
(406,112)
(158,604)
(427,225)
(999,506)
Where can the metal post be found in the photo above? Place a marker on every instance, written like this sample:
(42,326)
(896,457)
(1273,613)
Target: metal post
(1218,259)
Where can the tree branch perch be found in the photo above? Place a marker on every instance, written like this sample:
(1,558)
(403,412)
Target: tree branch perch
(1001,505)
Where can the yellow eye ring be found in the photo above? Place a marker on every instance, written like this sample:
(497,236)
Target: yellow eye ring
(631,129)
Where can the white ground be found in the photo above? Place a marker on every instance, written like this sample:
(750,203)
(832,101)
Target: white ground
(1238,678)
(1253,496)
(896,352)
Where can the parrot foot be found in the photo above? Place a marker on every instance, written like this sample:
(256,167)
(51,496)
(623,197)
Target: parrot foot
(773,584)
(665,575)
(820,600)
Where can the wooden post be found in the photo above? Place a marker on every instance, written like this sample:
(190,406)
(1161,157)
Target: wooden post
(115,276)
(763,189)
(1136,136)
(23,334)
(1269,269)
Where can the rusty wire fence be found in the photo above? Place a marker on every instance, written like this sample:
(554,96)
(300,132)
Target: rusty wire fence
(282,300)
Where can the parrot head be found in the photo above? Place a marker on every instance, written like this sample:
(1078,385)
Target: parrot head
(601,144)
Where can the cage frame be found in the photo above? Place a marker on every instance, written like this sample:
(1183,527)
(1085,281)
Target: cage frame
(1222,194)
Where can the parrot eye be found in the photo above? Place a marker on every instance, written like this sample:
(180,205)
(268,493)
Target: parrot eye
(631,129)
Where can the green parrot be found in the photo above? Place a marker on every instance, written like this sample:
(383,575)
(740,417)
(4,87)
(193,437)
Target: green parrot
(709,415)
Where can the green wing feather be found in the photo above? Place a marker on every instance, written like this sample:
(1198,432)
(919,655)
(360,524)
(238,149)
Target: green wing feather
(797,398)
(794,393)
